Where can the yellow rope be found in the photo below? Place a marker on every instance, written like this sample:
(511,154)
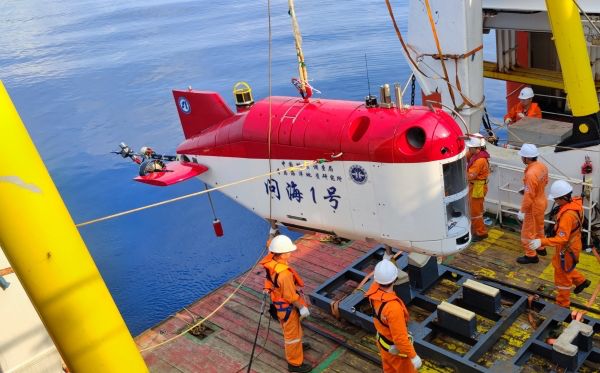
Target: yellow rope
(250,271)
(300,168)
(303,74)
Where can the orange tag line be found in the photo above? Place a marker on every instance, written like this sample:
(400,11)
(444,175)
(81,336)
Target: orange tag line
(6,271)
(575,315)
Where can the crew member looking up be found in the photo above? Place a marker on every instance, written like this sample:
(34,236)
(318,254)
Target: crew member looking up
(478,171)
(534,204)
(567,241)
(281,283)
(525,108)
(391,318)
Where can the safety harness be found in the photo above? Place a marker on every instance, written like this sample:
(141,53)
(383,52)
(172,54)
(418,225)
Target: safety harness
(384,342)
(272,271)
(567,247)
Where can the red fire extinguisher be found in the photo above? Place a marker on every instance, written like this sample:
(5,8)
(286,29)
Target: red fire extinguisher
(216,223)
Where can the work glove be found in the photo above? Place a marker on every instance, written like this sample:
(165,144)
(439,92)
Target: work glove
(533,245)
(388,257)
(521,215)
(507,121)
(522,191)
(416,362)
(273,231)
(304,313)
(521,115)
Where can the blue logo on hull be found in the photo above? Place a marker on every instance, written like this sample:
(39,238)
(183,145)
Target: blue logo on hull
(184,105)
(358,174)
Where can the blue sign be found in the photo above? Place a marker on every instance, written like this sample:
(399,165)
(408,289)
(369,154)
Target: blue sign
(358,174)
(184,105)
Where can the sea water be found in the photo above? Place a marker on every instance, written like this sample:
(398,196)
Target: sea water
(86,75)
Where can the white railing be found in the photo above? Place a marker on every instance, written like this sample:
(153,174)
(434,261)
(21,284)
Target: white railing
(506,187)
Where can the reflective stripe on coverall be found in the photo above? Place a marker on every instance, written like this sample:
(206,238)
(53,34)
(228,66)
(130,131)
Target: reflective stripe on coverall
(534,111)
(478,172)
(534,204)
(565,224)
(396,316)
(285,292)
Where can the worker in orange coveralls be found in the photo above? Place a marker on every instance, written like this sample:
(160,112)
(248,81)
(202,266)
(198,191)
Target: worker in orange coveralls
(478,171)
(534,204)
(567,241)
(282,282)
(525,108)
(391,318)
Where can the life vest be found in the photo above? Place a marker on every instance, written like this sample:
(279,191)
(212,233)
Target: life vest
(272,271)
(478,190)
(373,294)
(573,235)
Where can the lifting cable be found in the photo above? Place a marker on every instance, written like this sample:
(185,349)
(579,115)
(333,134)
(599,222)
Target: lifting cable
(439,48)
(262,308)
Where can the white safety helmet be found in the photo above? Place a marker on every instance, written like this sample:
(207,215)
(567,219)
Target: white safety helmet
(385,272)
(560,188)
(526,93)
(475,141)
(528,151)
(281,244)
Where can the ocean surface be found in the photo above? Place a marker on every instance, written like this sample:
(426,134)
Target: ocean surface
(86,75)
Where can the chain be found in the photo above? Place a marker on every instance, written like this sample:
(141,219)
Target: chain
(412,92)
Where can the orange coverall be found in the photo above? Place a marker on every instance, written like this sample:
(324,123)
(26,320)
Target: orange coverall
(479,169)
(567,227)
(395,314)
(287,292)
(513,114)
(534,204)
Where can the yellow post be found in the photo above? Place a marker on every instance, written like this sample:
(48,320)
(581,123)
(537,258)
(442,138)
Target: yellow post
(52,262)
(572,53)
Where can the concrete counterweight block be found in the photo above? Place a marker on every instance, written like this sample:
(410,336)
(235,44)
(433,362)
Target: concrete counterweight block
(576,336)
(482,296)
(457,319)
(422,270)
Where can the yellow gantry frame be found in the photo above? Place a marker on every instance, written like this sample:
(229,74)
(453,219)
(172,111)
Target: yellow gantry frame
(52,262)
(572,51)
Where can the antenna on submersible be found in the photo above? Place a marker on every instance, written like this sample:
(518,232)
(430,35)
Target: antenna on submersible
(370,101)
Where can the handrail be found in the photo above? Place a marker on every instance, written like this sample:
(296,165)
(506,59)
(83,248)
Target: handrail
(587,209)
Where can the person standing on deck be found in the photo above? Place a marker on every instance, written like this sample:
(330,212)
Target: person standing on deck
(478,171)
(534,203)
(525,108)
(390,317)
(282,283)
(567,241)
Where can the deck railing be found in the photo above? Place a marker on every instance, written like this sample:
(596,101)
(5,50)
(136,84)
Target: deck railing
(503,206)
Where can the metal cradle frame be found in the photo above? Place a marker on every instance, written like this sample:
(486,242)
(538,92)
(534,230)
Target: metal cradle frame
(425,278)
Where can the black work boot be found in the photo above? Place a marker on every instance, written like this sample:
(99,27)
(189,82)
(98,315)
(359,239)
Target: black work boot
(305,346)
(579,288)
(528,259)
(477,238)
(542,252)
(304,368)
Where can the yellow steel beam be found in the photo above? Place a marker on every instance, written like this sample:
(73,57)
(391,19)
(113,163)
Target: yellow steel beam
(52,262)
(574,60)
(543,78)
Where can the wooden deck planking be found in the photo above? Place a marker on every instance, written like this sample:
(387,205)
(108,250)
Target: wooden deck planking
(228,348)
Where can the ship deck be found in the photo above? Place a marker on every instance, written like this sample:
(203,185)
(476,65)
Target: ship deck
(226,342)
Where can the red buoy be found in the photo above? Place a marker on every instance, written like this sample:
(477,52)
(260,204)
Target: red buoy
(218,228)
